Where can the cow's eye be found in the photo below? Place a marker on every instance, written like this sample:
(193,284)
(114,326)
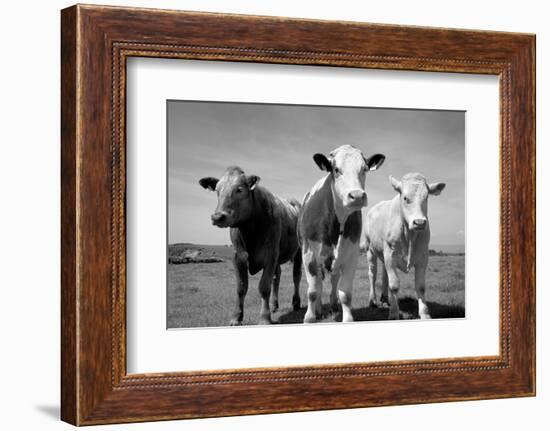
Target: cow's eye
(239,190)
(406,199)
(337,171)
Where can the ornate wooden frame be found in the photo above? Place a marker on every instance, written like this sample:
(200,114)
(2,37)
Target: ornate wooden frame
(95,43)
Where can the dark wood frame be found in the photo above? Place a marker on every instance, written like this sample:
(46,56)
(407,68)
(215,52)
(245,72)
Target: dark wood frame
(95,43)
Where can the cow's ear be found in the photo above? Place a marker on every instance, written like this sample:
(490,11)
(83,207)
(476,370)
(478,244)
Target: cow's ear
(436,188)
(395,184)
(208,183)
(252,181)
(375,161)
(322,161)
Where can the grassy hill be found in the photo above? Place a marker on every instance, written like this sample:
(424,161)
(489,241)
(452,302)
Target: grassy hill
(201,251)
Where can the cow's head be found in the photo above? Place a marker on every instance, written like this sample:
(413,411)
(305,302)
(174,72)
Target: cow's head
(235,192)
(348,166)
(413,196)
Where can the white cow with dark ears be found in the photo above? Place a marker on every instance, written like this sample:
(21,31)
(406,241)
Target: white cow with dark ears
(329,227)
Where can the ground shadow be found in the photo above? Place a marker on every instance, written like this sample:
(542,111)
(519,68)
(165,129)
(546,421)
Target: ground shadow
(441,311)
(49,410)
(409,310)
(293,316)
(297,316)
(370,313)
(408,307)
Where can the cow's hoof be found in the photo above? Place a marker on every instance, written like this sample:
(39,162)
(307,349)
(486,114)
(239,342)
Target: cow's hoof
(374,304)
(235,322)
(394,316)
(423,311)
(310,318)
(296,304)
(265,320)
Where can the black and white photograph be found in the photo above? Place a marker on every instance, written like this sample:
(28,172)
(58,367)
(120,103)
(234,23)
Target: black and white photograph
(274,215)
(293,214)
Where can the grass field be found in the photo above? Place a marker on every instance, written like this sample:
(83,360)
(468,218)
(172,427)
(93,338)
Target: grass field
(204,294)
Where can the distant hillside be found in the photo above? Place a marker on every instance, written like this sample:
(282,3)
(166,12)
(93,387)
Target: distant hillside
(186,252)
(449,248)
(195,253)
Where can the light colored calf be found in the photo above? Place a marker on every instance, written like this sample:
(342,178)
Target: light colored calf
(330,227)
(398,233)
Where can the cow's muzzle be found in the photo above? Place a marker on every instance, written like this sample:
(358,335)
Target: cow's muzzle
(220,219)
(419,224)
(356,199)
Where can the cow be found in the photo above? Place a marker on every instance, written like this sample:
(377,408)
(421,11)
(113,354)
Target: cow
(263,234)
(397,232)
(330,227)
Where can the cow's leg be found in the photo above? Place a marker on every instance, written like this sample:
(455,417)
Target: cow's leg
(296,278)
(240,263)
(319,301)
(314,290)
(275,289)
(420,287)
(384,299)
(372,267)
(393,281)
(314,284)
(266,282)
(345,284)
(334,277)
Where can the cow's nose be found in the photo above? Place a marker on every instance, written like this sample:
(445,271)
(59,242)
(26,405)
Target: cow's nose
(218,217)
(357,195)
(419,223)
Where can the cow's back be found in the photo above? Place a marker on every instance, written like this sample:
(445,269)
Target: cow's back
(288,211)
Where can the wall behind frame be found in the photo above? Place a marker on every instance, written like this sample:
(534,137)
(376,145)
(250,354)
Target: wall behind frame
(29,220)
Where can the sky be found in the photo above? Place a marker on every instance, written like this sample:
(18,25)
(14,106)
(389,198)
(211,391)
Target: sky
(277,142)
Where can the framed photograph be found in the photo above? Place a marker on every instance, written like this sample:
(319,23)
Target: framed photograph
(325,214)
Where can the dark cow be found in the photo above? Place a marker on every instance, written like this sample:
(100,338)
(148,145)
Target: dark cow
(263,233)
(330,226)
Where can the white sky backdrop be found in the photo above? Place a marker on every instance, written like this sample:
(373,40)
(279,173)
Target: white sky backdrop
(277,143)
